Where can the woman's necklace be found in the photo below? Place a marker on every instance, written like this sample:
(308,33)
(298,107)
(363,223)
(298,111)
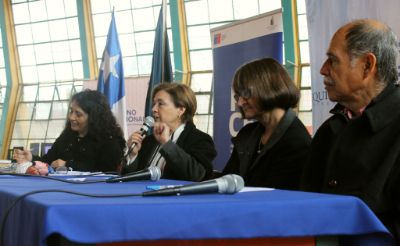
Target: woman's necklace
(260,146)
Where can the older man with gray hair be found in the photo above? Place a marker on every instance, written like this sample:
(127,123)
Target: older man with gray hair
(357,150)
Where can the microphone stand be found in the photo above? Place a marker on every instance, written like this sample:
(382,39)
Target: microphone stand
(125,163)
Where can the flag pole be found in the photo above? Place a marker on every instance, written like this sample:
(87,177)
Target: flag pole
(164,28)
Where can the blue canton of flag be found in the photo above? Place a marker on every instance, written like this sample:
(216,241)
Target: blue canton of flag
(111,76)
(161,69)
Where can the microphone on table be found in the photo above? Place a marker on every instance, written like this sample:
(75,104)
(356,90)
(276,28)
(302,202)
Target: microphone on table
(151,173)
(228,184)
(147,124)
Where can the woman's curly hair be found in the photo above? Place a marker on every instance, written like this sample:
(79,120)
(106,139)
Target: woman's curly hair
(101,121)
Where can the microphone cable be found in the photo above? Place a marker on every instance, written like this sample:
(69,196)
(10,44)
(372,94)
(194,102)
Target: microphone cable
(19,198)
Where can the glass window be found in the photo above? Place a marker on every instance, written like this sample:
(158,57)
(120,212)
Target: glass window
(144,64)
(2,97)
(245,9)
(101,23)
(305,77)
(100,44)
(21,13)
(46,93)
(199,37)
(123,4)
(54,129)
(216,15)
(124,22)
(143,4)
(48,43)
(28,53)
(57,10)
(3,78)
(43,53)
(39,128)
(75,50)
(306,118)
(131,66)
(196,12)
(201,82)
(42,112)
(201,60)
(303,28)
(37,10)
(60,51)
(24,34)
(63,91)
(203,104)
(304,52)
(144,42)
(72,24)
(21,129)
(70,8)
(305,100)
(127,44)
(301,7)
(100,6)
(305,104)
(25,111)
(29,74)
(46,73)
(63,71)
(204,123)
(40,32)
(136,23)
(58,30)
(77,68)
(266,6)
(59,110)
(29,93)
(143,14)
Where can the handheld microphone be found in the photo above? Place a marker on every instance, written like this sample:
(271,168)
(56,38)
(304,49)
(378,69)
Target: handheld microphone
(228,184)
(151,173)
(147,124)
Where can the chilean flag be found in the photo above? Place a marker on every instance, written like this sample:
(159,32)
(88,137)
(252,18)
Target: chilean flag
(111,76)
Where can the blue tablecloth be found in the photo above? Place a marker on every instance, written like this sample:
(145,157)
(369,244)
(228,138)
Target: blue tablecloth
(276,213)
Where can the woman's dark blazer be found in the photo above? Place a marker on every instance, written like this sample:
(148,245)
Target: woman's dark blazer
(280,162)
(189,159)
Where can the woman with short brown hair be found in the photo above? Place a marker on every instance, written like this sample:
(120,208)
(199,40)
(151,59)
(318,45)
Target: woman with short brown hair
(271,151)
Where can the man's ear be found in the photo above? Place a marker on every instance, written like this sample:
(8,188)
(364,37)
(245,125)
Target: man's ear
(369,61)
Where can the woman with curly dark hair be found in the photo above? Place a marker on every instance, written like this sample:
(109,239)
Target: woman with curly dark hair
(91,140)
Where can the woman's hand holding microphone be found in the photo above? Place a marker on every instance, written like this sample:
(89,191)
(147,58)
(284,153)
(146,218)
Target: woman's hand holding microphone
(135,142)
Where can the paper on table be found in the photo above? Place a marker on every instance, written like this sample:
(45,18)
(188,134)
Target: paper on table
(75,173)
(251,189)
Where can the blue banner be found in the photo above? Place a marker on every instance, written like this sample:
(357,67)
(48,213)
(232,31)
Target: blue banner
(227,59)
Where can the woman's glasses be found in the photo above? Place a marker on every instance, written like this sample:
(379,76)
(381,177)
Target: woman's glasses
(245,95)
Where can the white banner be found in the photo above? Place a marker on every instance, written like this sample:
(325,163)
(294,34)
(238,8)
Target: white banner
(323,19)
(135,92)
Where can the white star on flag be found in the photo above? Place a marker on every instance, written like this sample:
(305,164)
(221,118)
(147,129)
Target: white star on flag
(108,65)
